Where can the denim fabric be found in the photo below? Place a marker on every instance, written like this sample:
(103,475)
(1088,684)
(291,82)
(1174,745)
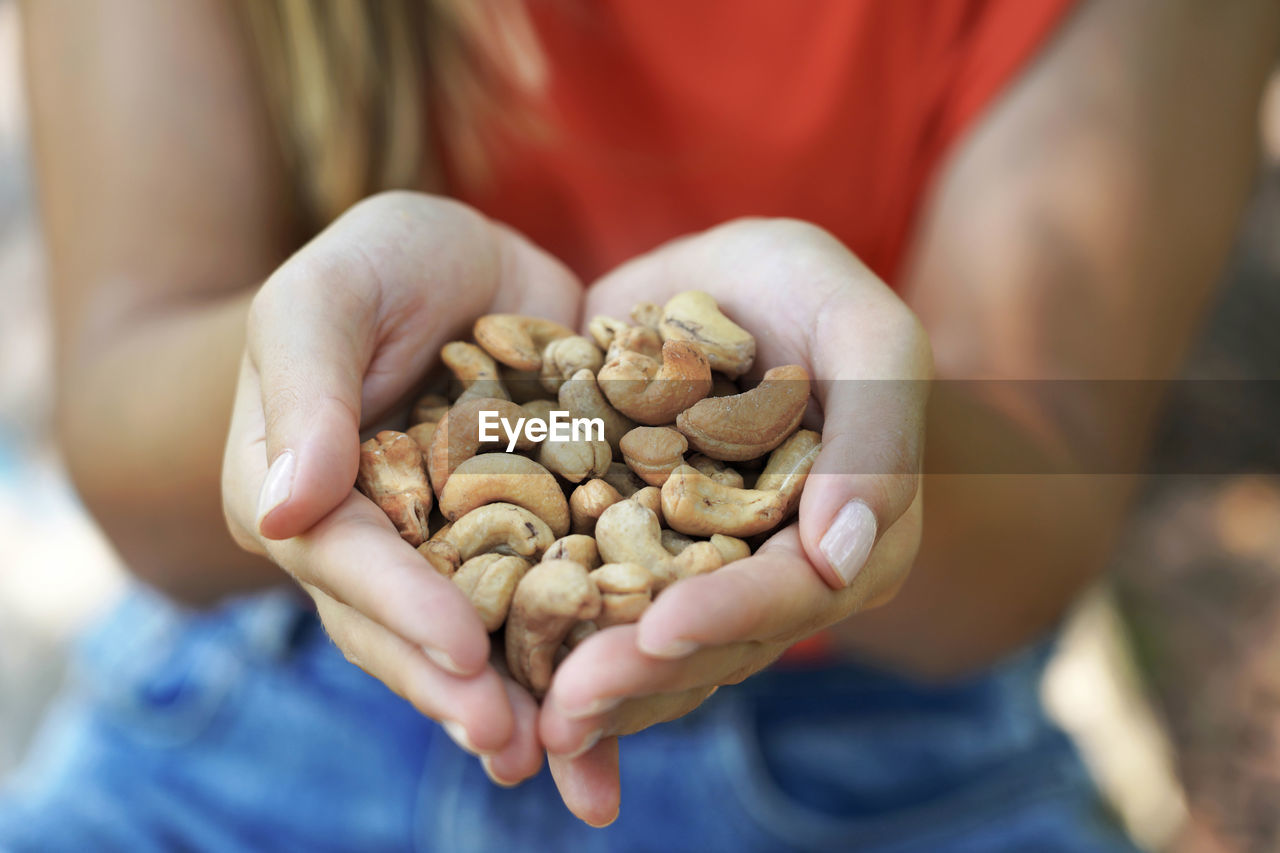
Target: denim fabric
(245,729)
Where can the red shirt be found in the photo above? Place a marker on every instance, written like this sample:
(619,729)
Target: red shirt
(671,116)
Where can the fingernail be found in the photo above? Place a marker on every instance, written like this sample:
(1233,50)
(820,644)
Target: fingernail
(442,660)
(591,740)
(848,540)
(459,735)
(606,823)
(671,650)
(600,706)
(486,762)
(277,486)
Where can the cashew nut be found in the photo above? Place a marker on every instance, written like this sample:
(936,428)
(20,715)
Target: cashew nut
(697,559)
(674,542)
(502,527)
(603,329)
(577,547)
(575,460)
(457,436)
(509,478)
(588,501)
(579,632)
(581,397)
(489,581)
(693,503)
(650,497)
(477,372)
(442,556)
(694,316)
(623,479)
(629,532)
(430,408)
(654,452)
(647,314)
(716,470)
(539,409)
(550,598)
(626,589)
(753,422)
(422,434)
(564,357)
(654,393)
(522,385)
(638,339)
(516,340)
(789,467)
(731,548)
(392,476)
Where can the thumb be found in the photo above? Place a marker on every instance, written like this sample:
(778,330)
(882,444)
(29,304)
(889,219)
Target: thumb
(310,346)
(868,472)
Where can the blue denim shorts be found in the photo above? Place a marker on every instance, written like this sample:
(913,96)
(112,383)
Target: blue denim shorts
(244,729)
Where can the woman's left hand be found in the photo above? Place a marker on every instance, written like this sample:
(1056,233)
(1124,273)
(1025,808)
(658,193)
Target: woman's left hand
(808,301)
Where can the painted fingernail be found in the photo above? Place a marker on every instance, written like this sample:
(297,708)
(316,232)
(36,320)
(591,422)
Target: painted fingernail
(486,761)
(277,486)
(670,650)
(459,735)
(848,540)
(591,740)
(442,660)
(600,706)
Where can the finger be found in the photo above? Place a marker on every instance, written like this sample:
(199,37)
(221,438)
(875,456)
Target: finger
(633,715)
(588,783)
(355,556)
(309,356)
(244,463)
(873,392)
(576,708)
(476,711)
(608,669)
(773,596)
(868,356)
(534,282)
(521,758)
(639,714)
(348,325)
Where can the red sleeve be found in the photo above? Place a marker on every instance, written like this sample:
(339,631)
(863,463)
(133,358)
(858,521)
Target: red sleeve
(997,42)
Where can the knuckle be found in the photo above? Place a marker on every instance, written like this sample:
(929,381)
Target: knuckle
(894,493)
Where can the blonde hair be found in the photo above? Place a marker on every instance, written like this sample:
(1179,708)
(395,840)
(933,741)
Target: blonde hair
(367,95)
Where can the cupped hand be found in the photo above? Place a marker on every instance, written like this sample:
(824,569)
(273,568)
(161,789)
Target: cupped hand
(808,301)
(338,338)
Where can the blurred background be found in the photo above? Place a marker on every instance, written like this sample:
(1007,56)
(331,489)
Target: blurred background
(1169,674)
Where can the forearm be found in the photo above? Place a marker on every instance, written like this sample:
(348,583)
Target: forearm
(1015,526)
(142,421)
(1075,236)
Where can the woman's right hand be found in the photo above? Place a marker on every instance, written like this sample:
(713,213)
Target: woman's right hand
(337,338)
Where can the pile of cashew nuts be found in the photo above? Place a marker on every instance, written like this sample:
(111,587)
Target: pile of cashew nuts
(558,539)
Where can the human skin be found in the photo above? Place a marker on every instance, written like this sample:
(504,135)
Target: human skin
(1074,233)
